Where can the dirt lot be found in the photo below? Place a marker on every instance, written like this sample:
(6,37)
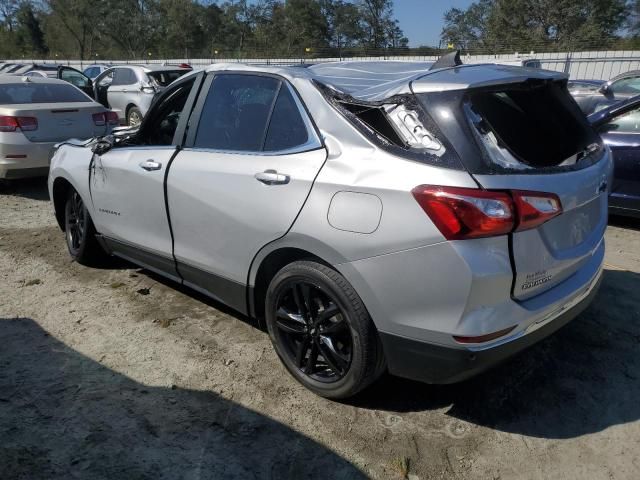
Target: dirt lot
(115,373)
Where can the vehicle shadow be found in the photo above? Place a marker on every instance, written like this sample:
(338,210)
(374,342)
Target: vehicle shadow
(630,223)
(581,380)
(33,188)
(64,415)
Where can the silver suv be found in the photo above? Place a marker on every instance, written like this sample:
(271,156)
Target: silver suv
(428,220)
(128,90)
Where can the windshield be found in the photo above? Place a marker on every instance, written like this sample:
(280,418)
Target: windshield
(19,93)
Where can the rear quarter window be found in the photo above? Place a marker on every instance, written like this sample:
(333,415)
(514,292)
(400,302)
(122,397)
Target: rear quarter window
(18,93)
(286,128)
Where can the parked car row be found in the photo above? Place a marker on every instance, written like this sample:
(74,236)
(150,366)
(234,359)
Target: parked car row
(126,89)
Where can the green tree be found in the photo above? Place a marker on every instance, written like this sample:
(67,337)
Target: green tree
(8,10)
(345,27)
(81,19)
(508,25)
(30,37)
(131,25)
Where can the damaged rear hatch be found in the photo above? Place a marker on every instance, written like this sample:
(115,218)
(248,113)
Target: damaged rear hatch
(519,130)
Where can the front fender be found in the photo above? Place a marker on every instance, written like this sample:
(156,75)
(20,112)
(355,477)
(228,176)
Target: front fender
(71,163)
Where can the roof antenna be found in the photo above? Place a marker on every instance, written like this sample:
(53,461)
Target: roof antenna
(448,60)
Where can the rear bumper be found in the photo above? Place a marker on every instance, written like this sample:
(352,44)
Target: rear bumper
(35,161)
(432,363)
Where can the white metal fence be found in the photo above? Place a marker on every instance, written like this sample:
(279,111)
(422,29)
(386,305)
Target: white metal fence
(599,65)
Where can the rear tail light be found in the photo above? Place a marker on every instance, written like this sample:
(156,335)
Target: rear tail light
(535,208)
(11,124)
(112,118)
(101,119)
(463,213)
(98,119)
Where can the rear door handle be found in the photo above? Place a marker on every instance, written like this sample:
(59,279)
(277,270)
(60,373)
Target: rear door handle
(150,165)
(272,177)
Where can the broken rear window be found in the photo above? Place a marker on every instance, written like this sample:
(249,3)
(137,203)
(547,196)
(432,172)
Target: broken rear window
(530,126)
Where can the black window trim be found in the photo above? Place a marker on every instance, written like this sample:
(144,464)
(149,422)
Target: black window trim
(178,136)
(314,141)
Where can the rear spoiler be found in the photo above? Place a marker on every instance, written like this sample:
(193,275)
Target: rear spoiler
(473,76)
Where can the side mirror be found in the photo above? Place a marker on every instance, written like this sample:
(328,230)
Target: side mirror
(102,145)
(604,89)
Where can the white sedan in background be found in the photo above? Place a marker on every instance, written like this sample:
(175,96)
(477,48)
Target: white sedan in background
(35,114)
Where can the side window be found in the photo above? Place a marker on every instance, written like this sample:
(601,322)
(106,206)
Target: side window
(626,86)
(626,123)
(235,113)
(163,118)
(74,78)
(286,127)
(106,80)
(124,76)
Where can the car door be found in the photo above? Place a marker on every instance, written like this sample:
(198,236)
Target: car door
(239,183)
(119,93)
(128,185)
(101,86)
(619,127)
(76,78)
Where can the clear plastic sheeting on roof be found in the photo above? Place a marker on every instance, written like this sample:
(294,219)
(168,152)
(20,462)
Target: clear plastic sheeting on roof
(370,81)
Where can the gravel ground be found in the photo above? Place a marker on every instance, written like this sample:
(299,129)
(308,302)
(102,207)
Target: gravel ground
(117,373)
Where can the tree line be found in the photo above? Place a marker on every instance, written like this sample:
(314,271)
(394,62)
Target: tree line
(544,25)
(134,29)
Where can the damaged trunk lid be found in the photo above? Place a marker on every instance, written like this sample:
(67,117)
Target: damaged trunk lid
(518,129)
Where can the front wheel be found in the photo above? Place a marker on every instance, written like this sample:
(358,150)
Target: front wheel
(80,232)
(134,117)
(321,330)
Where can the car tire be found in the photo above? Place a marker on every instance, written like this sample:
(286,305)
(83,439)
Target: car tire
(80,232)
(309,307)
(134,117)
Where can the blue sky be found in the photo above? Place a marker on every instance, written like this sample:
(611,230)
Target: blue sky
(421,20)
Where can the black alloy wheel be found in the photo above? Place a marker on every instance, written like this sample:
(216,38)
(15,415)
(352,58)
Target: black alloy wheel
(80,233)
(313,331)
(76,223)
(322,331)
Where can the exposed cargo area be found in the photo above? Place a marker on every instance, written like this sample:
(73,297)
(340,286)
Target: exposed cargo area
(535,124)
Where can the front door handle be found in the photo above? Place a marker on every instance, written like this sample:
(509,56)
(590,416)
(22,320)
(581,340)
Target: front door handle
(150,165)
(272,177)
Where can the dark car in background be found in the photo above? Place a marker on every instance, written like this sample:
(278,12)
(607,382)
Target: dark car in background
(620,87)
(619,127)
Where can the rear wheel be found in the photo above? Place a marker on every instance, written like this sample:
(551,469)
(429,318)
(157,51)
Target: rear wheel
(80,232)
(321,330)
(134,117)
